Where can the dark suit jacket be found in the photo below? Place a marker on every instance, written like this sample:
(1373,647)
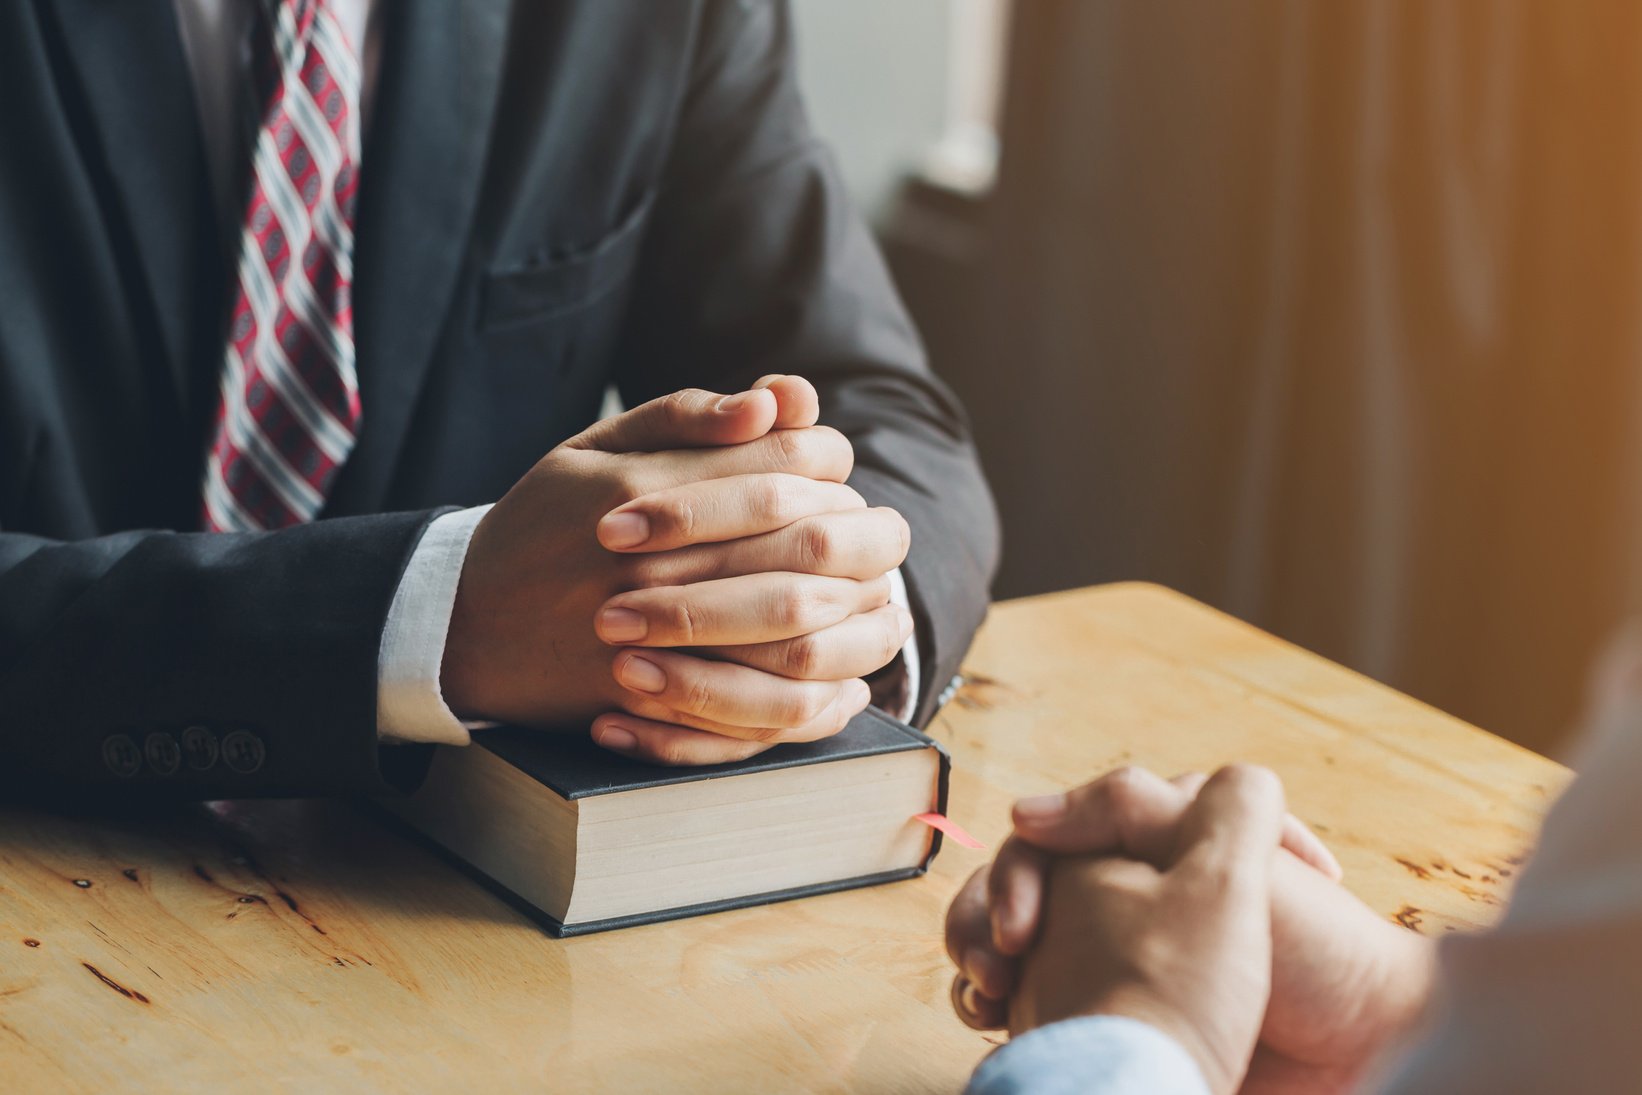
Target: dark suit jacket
(556,195)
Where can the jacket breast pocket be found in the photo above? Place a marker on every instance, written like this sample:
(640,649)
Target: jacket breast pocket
(555,282)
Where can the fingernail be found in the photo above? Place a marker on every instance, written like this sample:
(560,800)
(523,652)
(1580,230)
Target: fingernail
(731,404)
(624,530)
(641,674)
(622,625)
(615,738)
(1040,809)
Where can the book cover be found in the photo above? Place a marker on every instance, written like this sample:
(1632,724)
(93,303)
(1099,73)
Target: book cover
(574,768)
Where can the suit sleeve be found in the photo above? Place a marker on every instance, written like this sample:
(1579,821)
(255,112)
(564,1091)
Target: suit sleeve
(755,262)
(169,665)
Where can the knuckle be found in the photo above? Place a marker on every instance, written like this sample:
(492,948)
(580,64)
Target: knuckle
(696,696)
(838,452)
(995,880)
(966,916)
(794,608)
(670,751)
(1190,783)
(677,513)
(971,899)
(1013,856)
(828,710)
(819,546)
(802,657)
(1216,880)
(1122,787)
(626,485)
(1253,777)
(770,499)
(903,532)
(891,638)
(765,735)
(678,621)
(745,750)
(837,716)
(795,708)
(1257,787)
(678,406)
(1125,781)
(1118,876)
(1153,949)
(793,449)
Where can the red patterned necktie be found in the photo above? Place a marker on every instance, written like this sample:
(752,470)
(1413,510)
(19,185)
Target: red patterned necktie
(290,408)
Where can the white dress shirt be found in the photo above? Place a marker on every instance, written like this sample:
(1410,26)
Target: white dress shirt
(216,37)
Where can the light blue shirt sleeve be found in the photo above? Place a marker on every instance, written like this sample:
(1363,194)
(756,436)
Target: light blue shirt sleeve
(1095,1055)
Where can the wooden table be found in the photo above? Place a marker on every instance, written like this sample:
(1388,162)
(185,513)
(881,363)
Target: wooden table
(305,946)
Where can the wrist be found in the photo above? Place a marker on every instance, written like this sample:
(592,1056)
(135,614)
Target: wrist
(1388,1000)
(1221,1071)
(1032,1008)
(457,683)
(1405,980)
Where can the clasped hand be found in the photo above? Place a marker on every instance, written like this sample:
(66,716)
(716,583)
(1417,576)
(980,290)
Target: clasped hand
(1200,907)
(693,575)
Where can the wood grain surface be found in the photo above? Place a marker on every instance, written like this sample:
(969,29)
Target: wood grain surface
(307,946)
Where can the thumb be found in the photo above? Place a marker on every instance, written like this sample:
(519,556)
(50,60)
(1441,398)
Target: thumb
(689,419)
(797,404)
(1298,838)
(1232,830)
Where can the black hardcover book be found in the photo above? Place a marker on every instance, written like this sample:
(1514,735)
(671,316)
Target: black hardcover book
(588,840)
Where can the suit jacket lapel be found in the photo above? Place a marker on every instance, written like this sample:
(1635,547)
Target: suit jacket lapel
(129,60)
(420,177)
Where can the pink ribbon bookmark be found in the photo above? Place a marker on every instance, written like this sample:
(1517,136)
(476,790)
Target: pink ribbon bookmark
(951,828)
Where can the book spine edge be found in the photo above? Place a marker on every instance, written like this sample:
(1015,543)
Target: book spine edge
(773,898)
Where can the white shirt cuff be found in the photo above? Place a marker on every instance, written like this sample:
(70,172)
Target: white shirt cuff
(409,704)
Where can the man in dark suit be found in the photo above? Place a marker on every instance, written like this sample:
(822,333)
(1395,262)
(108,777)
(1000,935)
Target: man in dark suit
(283,284)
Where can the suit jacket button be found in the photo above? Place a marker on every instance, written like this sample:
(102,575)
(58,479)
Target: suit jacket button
(199,748)
(122,756)
(163,755)
(243,751)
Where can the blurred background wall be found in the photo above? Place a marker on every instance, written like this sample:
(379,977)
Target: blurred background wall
(876,78)
(1328,314)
